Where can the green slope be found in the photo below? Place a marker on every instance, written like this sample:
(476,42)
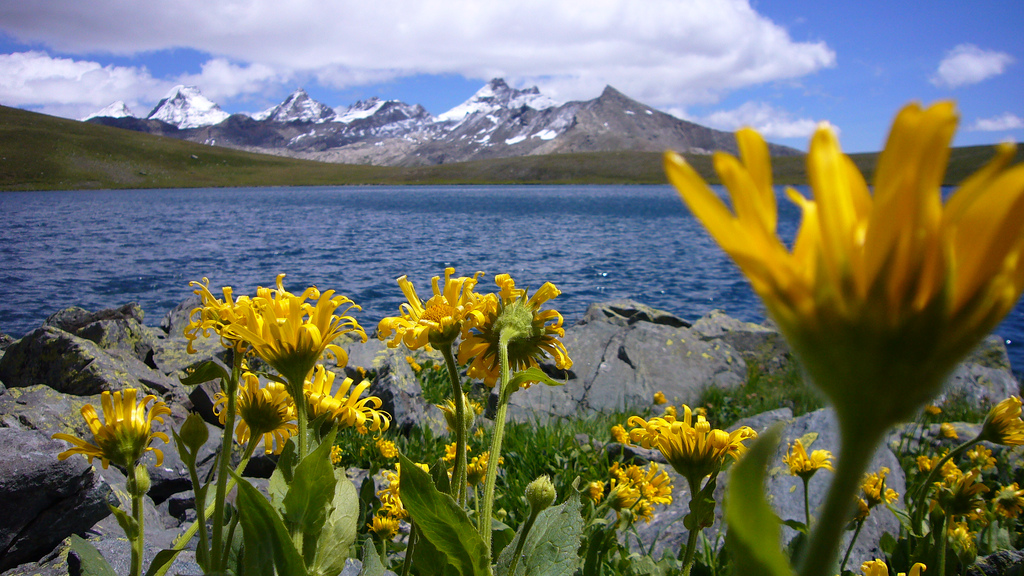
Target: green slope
(40,152)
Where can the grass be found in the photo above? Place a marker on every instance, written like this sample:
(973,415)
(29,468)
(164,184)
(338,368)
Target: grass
(762,392)
(40,152)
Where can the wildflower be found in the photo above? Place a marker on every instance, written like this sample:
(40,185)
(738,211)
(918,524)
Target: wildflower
(803,466)
(932,410)
(437,321)
(476,470)
(670,413)
(958,494)
(449,452)
(1003,424)
(882,293)
(125,433)
(879,568)
(925,464)
(540,493)
(413,364)
(693,449)
(342,407)
(1009,501)
(390,502)
(981,458)
(387,449)
(265,411)
(659,398)
(595,491)
(291,334)
(947,430)
(531,333)
(874,490)
(619,434)
(337,455)
(384,526)
(448,409)
(962,540)
(215,315)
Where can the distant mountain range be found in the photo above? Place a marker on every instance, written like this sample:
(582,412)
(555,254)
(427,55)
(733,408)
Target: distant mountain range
(496,122)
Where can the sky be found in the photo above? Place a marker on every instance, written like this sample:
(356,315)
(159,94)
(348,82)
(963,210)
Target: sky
(780,66)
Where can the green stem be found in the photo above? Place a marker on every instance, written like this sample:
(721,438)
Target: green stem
(522,541)
(691,547)
(856,533)
(943,535)
(484,525)
(413,538)
(139,516)
(807,504)
(231,392)
(459,473)
(856,450)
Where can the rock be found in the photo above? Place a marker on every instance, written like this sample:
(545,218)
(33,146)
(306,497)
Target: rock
(42,499)
(160,529)
(984,377)
(627,312)
(757,344)
(74,365)
(174,322)
(115,328)
(44,409)
(5,341)
(56,563)
(1002,563)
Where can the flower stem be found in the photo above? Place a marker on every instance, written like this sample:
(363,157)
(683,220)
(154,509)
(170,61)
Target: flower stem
(691,548)
(807,504)
(855,453)
(856,533)
(231,392)
(139,516)
(522,541)
(459,474)
(484,526)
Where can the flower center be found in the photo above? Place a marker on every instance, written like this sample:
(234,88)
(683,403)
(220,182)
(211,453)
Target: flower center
(439,312)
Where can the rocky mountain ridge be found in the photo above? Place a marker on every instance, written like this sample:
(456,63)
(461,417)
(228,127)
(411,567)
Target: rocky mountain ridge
(498,121)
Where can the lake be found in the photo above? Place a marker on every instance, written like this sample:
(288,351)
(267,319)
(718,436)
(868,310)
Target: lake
(100,249)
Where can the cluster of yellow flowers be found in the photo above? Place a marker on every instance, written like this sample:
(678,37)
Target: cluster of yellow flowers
(633,491)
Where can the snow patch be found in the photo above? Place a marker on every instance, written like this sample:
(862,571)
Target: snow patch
(116,110)
(545,135)
(515,140)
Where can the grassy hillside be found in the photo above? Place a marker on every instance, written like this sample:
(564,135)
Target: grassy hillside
(39,152)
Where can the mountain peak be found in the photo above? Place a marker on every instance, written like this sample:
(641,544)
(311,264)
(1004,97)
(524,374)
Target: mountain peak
(116,110)
(497,95)
(186,107)
(298,107)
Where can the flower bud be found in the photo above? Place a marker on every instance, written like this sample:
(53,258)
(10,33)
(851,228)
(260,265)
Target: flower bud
(142,482)
(540,494)
(194,433)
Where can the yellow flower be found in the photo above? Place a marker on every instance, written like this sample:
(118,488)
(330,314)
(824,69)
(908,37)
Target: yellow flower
(882,293)
(413,364)
(694,449)
(448,409)
(215,315)
(962,540)
(125,433)
(390,502)
(802,465)
(1009,501)
(449,452)
(619,434)
(958,494)
(337,455)
(981,458)
(932,410)
(947,430)
(476,470)
(437,321)
(878,568)
(387,449)
(595,491)
(874,490)
(925,464)
(384,526)
(538,331)
(659,398)
(292,334)
(347,411)
(266,411)
(1003,424)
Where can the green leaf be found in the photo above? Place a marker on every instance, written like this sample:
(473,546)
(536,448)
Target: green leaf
(310,494)
(754,529)
(439,471)
(204,372)
(93,563)
(443,523)
(551,546)
(267,542)
(501,536)
(532,374)
(162,562)
(371,561)
(128,524)
(339,532)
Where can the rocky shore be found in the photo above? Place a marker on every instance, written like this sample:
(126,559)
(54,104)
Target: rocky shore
(623,353)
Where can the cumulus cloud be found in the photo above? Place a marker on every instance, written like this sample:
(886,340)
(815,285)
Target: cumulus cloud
(771,122)
(221,79)
(967,64)
(72,88)
(668,53)
(1000,123)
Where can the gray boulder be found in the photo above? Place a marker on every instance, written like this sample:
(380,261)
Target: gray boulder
(44,409)
(115,328)
(74,365)
(1002,563)
(42,499)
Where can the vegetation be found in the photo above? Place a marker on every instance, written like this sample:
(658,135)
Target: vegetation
(40,152)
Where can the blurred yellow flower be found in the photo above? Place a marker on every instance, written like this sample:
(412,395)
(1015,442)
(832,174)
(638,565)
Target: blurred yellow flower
(387,449)
(805,466)
(962,540)
(291,334)
(337,454)
(882,292)
(659,398)
(1009,501)
(925,464)
(879,568)
(538,331)
(476,470)
(1003,424)
(947,430)
(124,434)
(437,321)
(413,364)
(266,412)
(384,526)
(619,434)
(694,449)
(874,490)
(981,458)
(932,410)
(344,408)
(959,494)
(595,491)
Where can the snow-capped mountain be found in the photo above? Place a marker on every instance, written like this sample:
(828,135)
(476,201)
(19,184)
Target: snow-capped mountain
(298,107)
(116,110)
(186,107)
(498,121)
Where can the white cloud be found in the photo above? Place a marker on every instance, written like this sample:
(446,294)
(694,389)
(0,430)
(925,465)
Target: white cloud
(1007,121)
(73,88)
(771,122)
(220,79)
(667,53)
(967,64)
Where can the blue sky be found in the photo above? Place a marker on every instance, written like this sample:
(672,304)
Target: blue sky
(779,66)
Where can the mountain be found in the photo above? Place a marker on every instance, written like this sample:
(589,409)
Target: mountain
(298,107)
(186,107)
(116,110)
(497,122)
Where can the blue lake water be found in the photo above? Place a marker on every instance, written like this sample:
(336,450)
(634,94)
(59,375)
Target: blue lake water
(99,249)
